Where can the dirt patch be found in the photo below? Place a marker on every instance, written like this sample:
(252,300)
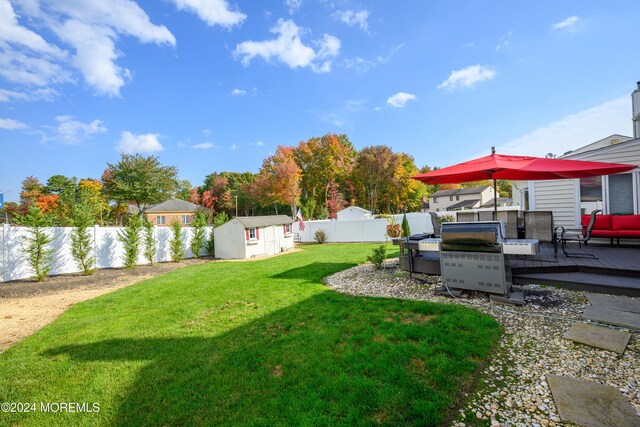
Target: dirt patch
(27,306)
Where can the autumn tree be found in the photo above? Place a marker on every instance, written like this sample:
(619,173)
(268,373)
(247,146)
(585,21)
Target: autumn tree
(31,190)
(324,161)
(140,180)
(279,179)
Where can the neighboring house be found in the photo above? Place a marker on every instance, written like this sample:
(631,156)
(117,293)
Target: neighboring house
(502,202)
(163,213)
(253,236)
(613,194)
(460,198)
(353,213)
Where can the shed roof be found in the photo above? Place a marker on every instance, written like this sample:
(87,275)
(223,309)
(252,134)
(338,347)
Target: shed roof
(460,191)
(363,210)
(264,221)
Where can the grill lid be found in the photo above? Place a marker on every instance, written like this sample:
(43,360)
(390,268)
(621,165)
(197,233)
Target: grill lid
(472,232)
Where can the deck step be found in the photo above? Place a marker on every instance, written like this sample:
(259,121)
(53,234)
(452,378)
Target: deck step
(592,282)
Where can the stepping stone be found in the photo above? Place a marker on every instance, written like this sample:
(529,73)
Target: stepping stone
(590,404)
(614,302)
(625,319)
(597,336)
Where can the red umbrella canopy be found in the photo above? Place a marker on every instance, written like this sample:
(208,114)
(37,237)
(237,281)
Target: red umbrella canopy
(514,168)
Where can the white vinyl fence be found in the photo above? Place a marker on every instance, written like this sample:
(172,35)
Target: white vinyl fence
(372,230)
(107,249)
(366,230)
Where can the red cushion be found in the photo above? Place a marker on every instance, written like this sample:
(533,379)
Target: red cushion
(625,222)
(603,222)
(628,233)
(603,233)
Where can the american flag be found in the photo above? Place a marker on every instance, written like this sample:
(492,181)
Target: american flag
(300,220)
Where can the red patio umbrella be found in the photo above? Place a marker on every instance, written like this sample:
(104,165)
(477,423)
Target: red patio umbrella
(514,168)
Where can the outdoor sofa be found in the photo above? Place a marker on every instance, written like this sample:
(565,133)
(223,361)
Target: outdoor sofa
(613,226)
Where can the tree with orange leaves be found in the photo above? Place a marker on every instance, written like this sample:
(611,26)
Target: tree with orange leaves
(279,179)
(48,203)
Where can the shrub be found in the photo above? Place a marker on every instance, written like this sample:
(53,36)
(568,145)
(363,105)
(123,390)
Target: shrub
(378,257)
(36,244)
(150,245)
(446,218)
(175,244)
(406,231)
(320,236)
(81,245)
(130,237)
(210,245)
(197,240)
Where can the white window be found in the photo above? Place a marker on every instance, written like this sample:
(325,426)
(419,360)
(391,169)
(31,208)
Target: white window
(451,198)
(185,219)
(457,197)
(287,229)
(435,200)
(621,194)
(590,194)
(160,220)
(252,234)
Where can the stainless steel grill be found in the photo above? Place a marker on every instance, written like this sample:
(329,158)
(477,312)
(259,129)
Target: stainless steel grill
(471,256)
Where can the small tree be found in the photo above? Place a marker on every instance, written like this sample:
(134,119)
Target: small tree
(406,231)
(81,245)
(378,257)
(175,244)
(150,245)
(320,236)
(36,244)
(130,237)
(197,240)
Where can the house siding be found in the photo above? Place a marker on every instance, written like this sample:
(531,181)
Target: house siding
(559,196)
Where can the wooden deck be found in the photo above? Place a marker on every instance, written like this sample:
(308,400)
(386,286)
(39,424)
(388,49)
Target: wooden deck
(616,270)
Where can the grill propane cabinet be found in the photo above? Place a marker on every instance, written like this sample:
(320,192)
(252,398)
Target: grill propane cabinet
(472,257)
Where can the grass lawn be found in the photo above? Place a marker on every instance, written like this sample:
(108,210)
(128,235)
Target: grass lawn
(259,343)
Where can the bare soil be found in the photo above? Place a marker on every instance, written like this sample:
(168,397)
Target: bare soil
(26,306)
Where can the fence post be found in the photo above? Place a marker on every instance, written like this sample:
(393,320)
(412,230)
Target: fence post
(95,244)
(5,254)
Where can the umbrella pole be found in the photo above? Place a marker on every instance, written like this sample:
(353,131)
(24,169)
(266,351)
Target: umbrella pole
(495,200)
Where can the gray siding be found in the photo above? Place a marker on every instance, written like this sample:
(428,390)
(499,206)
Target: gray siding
(558,196)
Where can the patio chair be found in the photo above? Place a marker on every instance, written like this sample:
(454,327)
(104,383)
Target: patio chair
(563,238)
(466,217)
(435,223)
(510,219)
(538,225)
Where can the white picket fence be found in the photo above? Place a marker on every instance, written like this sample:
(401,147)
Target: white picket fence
(108,251)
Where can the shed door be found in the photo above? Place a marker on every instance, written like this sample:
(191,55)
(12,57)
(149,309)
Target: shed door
(270,241)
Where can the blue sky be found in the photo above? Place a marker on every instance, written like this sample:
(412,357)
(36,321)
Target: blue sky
(217,85)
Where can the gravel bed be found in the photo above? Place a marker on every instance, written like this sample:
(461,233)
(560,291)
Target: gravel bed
(512,389)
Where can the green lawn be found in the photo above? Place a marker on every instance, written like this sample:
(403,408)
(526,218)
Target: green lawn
(257,343)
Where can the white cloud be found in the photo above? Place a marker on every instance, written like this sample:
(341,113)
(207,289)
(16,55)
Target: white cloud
(69,131)
(293,5)
(568,24)
(400,99)
(89,28)
(574,131)
(503,41)
(361,65)
(467,77)
(289,48)
(146,143)
(203,145)
(238,92)
(352,18)
(260,143)
(46,94)
(213,12)
(234,146)
(206,132)
(12,32)
(11,124)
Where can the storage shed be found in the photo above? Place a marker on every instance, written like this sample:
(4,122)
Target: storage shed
(353,213)
(253,236)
